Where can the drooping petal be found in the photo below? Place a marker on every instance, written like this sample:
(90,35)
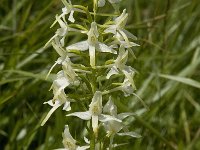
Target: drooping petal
(83,115)
(132,134)
(81,46)
(55,106)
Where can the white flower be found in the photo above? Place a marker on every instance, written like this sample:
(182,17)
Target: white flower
(69,142)
(119,32)
(69,9)
(92,44)
(95,112)
(113,127)
(120,66)
(101,3)
(61,32)
(60,97)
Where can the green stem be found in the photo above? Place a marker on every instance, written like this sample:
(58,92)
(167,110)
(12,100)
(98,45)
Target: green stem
(92,137)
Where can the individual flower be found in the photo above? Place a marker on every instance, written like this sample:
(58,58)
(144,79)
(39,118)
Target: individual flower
(101,3)
(92,44)
(60,97)
(113,127)
(119,66)
(61,32)
(66,63)
(69,9)
(69,142)
(122,35)
(95,112)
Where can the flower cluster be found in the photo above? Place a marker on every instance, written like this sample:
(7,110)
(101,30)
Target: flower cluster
(86,69)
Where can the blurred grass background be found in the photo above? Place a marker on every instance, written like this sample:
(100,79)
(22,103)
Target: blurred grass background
(168,62)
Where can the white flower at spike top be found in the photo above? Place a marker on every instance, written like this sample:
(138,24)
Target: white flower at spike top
(122,35)
(95,112)
(92,44)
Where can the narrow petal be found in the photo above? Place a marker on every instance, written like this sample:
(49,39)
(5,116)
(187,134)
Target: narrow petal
(71,18)
(122,116)
(132,134)
(129,34)
(105,118)
(81,46)
(112,71)
(83,115)
(111,29)
(50,113)
(104,48)
(67,106)
(82,147)
(95,123)
(92,55)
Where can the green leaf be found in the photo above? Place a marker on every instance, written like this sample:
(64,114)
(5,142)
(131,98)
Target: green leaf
(183,80)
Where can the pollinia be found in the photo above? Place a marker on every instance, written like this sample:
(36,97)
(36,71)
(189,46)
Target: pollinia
(93,72)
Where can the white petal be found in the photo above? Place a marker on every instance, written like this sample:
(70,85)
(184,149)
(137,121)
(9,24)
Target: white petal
(104,48)
(122,116)
(105,118)
(71,18)
(114,1)
(130,78)
(95,123)
(112,71)
(68,141)
(81,46)
(83,115)
(50,113)
(92,55)
(129,34)
(67,106)
(110,108)
(95,106)
(111,29)
(82,147)
(101,3)
(132,134)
